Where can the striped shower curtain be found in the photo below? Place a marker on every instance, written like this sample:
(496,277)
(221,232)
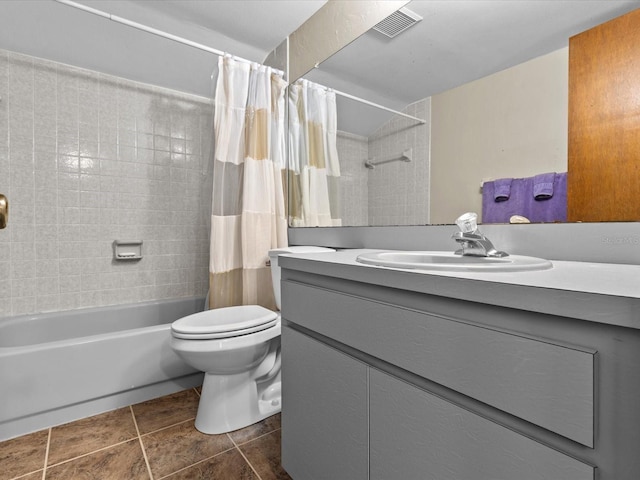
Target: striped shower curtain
(313,169)
(248,209)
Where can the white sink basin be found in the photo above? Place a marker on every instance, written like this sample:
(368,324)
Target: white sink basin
(450,262)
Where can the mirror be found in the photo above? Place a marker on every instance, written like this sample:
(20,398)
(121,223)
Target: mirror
(490,79)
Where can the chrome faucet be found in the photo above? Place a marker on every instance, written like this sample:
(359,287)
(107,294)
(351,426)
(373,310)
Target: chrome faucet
(472,242)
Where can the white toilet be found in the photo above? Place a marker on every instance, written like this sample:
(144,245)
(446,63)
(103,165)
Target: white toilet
(238,348)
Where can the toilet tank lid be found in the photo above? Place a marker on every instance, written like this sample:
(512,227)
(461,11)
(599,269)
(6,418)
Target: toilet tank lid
(227,319)
(299,249)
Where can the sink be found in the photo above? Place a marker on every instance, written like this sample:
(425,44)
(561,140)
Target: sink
(450,262)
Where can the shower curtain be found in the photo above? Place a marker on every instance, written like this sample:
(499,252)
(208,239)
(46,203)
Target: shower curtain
(314,168)
(248,209)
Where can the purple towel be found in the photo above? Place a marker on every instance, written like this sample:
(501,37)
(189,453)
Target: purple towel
(502,189)
(522,202)
(543,186)
(551,209)
(500,212)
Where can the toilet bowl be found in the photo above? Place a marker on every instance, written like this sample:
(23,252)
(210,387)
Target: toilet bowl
(238,348)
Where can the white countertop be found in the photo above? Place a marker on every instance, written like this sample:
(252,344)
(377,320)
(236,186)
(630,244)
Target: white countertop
(601,292)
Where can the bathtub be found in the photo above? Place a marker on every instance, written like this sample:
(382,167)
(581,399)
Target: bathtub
(58,367)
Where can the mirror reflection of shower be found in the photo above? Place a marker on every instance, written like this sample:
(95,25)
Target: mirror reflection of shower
(356,193)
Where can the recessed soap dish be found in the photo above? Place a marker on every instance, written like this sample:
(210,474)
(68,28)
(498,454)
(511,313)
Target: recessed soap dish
(127,250)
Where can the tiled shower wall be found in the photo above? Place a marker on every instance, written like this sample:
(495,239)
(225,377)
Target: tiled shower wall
(399,191)
(85,159)
(352,152)
(394,193)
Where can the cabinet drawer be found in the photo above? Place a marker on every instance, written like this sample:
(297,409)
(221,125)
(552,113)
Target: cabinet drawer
(414,434)
(544,383)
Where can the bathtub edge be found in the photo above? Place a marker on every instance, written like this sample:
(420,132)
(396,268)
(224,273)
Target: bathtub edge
(48,419)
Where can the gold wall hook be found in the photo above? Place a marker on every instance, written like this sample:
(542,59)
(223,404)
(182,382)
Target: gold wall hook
(4,211)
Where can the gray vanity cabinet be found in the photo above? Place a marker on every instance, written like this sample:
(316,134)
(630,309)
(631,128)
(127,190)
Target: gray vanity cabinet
(415,434)
(326,420)
(392,383)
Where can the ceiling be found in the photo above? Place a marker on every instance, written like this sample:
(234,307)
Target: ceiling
(456,42)
(247,28)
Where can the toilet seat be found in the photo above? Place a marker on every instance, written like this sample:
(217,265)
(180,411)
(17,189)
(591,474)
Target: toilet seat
(224,322)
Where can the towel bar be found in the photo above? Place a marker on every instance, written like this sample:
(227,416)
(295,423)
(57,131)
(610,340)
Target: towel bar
(406,156)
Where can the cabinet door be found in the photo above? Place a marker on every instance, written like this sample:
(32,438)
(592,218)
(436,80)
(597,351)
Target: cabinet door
(417,435)
(324,411)
(603,184)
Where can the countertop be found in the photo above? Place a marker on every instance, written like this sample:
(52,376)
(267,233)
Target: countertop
(600,292)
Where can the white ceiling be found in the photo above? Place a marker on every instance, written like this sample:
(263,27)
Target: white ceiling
(258,24)
(246,28)
(458,41)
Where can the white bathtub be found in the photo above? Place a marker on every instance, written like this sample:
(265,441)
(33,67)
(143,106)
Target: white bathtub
(58,367)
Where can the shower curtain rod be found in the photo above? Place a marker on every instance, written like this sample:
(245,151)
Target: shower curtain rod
(382,107)
(154,31)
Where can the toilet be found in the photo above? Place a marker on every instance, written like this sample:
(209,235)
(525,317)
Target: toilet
(238,349)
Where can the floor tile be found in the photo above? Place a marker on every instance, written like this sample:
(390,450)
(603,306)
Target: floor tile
(166,411)
(90,434)
(264,455)
(256,430)
(124,461)
(105,447)
(180,446)
(229,465)
(23,454)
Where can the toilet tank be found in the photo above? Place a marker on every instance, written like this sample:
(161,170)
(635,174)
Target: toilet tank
(275,268)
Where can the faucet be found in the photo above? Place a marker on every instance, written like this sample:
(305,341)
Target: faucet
(472,242)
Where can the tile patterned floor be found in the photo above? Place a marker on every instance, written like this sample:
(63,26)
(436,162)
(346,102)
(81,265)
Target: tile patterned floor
(152,440)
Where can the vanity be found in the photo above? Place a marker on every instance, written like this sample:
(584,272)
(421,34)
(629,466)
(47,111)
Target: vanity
(406,374)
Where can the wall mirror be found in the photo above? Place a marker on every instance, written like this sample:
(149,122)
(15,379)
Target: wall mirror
(489,78)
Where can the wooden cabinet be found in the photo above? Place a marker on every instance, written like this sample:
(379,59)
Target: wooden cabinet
(603,183)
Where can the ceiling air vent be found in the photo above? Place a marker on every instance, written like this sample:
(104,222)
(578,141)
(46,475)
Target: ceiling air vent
(397,22)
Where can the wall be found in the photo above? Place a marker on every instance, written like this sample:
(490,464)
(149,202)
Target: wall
(607,242)
(87,158)
(509,124)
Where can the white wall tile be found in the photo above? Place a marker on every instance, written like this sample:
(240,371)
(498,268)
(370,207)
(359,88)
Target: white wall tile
(393,193)
(399,192)
(87,158)
(354,196)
